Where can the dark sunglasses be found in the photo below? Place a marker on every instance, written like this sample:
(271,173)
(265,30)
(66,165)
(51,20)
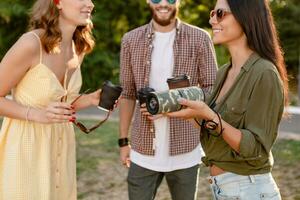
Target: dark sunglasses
(82,127)
(220,14)
(158,1)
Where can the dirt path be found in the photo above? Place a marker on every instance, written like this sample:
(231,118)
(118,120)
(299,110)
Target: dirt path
(108,182)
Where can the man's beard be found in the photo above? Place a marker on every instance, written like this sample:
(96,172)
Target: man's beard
(164,22)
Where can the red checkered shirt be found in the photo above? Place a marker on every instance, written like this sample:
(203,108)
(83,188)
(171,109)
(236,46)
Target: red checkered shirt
(194,55)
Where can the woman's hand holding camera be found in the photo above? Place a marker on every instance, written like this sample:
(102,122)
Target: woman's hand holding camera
(193,109)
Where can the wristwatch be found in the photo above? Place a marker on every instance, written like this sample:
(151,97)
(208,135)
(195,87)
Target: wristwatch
(123,142)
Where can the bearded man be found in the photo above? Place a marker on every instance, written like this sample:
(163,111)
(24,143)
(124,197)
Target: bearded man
(162,147)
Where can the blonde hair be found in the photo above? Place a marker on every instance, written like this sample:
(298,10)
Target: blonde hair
(44,15)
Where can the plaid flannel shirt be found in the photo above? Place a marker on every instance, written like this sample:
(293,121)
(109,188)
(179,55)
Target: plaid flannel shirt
(194,55)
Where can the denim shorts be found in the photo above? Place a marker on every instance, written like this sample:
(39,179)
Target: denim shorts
(229,186)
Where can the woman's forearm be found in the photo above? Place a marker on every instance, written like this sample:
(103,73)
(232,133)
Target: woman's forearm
(12,109)
(231,135)
(84,101)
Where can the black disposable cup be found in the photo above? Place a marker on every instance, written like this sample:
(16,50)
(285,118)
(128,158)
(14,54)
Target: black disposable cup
(180,81)
(109,94)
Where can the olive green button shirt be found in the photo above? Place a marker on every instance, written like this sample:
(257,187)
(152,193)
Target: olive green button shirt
(254,105)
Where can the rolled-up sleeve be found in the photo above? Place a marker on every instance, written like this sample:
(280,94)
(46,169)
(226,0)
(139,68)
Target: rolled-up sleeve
(207,65)
(126,74)
(262,116)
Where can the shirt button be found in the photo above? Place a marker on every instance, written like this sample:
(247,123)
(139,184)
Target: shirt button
(57,186)
(148,62)
(210,181)
(150,46)
(151,130)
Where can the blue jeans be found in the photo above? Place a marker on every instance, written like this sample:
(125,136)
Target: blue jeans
(229,186)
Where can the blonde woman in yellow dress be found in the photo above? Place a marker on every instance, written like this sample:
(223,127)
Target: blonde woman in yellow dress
(42,70)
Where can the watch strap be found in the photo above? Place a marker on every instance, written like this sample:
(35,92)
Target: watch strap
(123,142)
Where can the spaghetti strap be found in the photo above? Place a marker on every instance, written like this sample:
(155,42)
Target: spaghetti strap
(40,45)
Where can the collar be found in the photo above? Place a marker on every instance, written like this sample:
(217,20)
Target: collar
(251,60)
(247,65)
(150,30)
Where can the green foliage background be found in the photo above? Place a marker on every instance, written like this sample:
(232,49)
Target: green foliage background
(112,18)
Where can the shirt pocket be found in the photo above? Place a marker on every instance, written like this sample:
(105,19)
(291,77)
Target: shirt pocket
(189,67)
(234,113)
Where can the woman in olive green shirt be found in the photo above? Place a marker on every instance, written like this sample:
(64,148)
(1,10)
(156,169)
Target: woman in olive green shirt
(240,120)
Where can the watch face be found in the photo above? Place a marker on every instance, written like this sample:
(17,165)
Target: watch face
(123,142)
(210,125)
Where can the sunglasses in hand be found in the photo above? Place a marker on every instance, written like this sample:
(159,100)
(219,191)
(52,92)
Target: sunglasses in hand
(82,127)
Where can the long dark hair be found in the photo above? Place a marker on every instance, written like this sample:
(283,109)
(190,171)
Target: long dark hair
(257,22)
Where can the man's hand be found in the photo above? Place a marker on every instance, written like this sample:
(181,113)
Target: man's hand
(124,155)
(144,112)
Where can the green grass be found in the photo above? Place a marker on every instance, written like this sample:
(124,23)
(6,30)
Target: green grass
(287,152)
(104,140)
(101,175)
(99,145)
(100,149)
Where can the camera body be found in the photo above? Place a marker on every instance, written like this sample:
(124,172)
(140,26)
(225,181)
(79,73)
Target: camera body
(143,93)
(167,101)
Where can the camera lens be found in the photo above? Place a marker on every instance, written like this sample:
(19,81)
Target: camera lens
(166,101)
(153,104)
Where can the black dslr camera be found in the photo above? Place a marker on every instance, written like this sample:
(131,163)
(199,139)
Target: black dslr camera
(143,93)
(167,101)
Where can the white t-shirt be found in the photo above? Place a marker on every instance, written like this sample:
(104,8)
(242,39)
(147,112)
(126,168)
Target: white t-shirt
(161,69)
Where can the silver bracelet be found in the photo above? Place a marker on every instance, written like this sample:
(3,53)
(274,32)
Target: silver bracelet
(27,113)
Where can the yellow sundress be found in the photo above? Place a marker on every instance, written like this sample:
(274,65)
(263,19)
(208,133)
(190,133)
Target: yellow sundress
(37,161)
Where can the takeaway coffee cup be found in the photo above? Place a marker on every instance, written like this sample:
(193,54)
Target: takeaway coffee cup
(180,81)
(109,94)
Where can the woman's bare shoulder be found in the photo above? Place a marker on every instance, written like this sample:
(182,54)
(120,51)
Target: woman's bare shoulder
(29,43)
(25,50)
